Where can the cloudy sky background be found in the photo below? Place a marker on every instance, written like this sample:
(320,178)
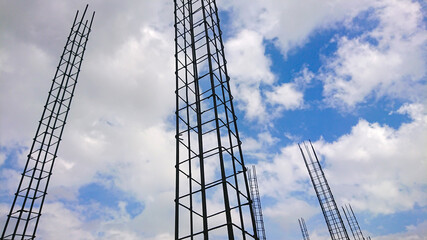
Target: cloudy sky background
(349,75)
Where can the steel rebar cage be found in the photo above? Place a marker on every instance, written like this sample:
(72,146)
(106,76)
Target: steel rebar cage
(212,198)
(330,210)
(23,218)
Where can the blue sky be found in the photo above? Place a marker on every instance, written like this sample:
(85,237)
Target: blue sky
(348,75)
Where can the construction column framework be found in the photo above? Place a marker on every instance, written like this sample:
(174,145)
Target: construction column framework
(352,222)
(212,198)
(330,210)
(304,231)
(24,215)
(256,203)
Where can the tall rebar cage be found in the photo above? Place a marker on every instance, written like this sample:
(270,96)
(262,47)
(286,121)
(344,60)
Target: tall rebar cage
(304,231)
(353,223)
(212,193)
(256,203)
(327,202)
(23,218)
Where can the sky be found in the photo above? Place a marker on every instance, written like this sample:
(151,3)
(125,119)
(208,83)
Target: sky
(348,75)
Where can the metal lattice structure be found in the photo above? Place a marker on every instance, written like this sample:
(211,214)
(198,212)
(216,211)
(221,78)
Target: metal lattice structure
(212,198)
(303,227)
(256,203)
(352,222)
(330,210)
(24,215)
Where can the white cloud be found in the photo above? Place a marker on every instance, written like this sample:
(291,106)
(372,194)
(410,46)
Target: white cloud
(118,131)
(2,158)
(247,61)
(378,168)
(388,61)
(286,96)
(413,232)
(287,211)
(284,174)
(290,23)
(250,69)
(259,148)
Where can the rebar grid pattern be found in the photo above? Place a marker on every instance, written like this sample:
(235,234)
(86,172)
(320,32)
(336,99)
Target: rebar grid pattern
(24,215)
(256,203)
(212,197)
(330,210)
(303,227)
(352,222)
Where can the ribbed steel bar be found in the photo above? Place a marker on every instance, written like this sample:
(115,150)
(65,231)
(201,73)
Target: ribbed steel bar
(330,210)
(23,218)
(212,198)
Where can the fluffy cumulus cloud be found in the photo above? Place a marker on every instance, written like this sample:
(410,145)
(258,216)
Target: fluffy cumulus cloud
(286,96)
(413,232)
(119,140)
(109,140)
(387,164)
(291,23)
(375,168)
(387,61)
(250,69)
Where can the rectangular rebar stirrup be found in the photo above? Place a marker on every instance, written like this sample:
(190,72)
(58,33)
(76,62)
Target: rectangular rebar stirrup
(212,198)
(256,203)
(330,210)
(303,227)
(352,222)
(26,209)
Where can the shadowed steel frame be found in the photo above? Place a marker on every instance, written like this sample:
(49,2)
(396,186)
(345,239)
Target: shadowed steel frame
(212,198)
(24,215)
(304,231)
(256,203)
(330,210)
(352,222)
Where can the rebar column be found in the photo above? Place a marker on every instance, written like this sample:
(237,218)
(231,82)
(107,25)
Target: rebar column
(256,203)
(352,222)
(24,215)
(212,198)
(330,210)
(303,227)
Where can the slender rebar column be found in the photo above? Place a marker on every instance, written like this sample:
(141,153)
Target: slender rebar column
(24,215)
(212,198)
(330,210)
(256,203)
(303,227)
(352,222)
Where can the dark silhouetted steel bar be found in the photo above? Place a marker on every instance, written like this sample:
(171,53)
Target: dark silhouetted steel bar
(330,210)
(23,218)
(303,227)
(212,197)
(352,222)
